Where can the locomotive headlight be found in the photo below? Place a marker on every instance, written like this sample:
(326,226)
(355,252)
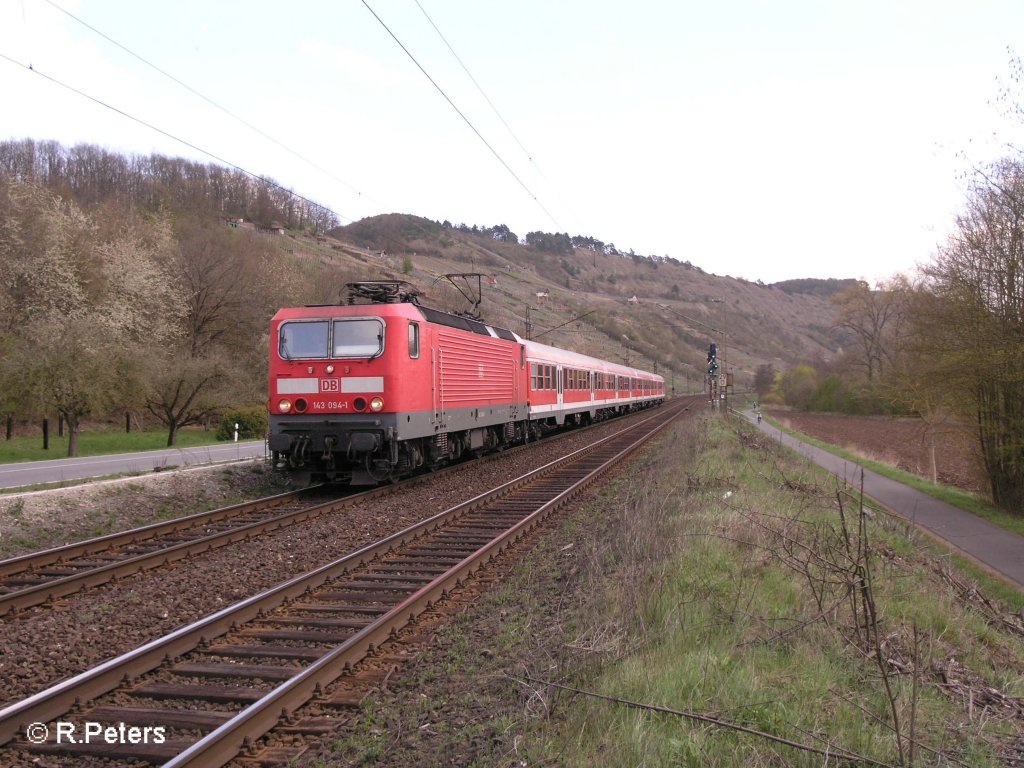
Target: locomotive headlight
(284,406)
(376,404)
(329,369)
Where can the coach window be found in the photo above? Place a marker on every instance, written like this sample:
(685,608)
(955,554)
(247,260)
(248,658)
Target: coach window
(300,340)
(414,339)
(358,338)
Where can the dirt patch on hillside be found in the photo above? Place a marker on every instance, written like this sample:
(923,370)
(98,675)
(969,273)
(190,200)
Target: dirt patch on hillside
(900,442)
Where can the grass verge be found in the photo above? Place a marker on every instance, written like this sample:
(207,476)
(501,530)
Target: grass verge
(99,444)
(958,497)
(788,612)
(718,576)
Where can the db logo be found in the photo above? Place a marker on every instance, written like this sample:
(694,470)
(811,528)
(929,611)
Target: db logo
(330,385)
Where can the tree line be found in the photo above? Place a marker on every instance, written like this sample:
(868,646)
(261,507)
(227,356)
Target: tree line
(946,345)
(110,305)
(91,175)
(559,243)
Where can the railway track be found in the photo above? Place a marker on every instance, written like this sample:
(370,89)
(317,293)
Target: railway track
(48,575)
(221,683)
(38,577)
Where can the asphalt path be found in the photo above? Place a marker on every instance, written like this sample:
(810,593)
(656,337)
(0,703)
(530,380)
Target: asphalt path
(58,470)
(993,547)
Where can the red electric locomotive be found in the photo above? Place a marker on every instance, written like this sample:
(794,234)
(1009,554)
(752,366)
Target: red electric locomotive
(365,392)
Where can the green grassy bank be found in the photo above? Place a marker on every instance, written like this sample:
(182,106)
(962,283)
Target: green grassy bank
(720,603)
(98,444)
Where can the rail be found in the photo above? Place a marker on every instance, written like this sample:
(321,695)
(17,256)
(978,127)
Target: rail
(392,582)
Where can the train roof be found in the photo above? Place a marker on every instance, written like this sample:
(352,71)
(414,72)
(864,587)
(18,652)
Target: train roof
(564,356)
(399,309)
(439,317)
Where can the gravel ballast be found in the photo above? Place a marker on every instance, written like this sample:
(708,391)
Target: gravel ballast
(44,645)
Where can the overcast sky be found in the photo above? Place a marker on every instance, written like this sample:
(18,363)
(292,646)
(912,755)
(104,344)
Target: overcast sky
(764,140)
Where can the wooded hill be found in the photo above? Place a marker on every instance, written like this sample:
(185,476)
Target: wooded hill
(645,308)
(147,284)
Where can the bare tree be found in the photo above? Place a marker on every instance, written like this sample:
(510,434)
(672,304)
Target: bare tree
(72,370)
(874,318)
(185,389)
(972,324)
(764,379)
(231,286)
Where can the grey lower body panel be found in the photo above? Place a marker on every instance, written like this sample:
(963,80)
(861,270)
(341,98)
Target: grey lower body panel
(367,447)
(344,427)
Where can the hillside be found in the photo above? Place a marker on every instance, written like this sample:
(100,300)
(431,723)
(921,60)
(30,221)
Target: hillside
(575,292)
(678,309)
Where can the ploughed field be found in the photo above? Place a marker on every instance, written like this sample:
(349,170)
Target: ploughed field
(901,443)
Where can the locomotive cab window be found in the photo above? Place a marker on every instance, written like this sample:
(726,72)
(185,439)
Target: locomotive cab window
(299,340)
(358,338)
(414,340)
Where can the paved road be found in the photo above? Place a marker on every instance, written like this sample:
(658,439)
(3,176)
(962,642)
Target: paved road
(56,470)
(992,546)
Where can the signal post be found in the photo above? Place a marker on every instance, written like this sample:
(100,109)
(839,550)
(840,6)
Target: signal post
(714,383)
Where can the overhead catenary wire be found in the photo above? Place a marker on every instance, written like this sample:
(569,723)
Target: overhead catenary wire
(529,155)
(223,109)
(211,102)
(190,145)
(469,74)
(458,111)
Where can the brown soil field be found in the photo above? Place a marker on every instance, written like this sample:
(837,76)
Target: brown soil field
(900,443)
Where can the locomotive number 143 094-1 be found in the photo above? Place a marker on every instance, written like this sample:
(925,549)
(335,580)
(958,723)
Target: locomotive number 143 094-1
(330,405)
